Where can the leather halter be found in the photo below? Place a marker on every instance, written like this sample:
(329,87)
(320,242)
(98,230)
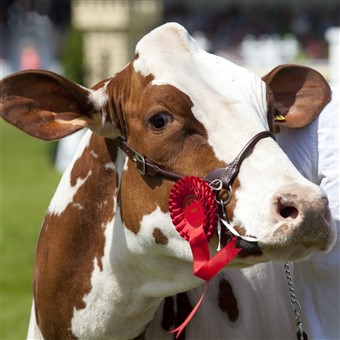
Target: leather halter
(225,175)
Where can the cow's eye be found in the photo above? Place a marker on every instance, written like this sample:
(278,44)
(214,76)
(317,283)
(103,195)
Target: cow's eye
(160,120)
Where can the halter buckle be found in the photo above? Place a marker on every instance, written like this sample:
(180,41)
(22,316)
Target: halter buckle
(140,164)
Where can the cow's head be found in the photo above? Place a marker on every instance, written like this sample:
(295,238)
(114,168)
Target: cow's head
(191,112)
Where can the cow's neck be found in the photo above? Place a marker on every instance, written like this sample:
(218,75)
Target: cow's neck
(141,263)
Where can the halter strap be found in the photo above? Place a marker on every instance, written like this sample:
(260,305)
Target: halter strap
(143,164)
(225,175)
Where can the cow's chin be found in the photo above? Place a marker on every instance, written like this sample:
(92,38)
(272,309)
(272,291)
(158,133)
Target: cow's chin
(298,246)
(252,254)
(279,253)
(294,254)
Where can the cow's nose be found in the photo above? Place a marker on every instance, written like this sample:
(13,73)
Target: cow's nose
(303,216)
(294,206)
(302,223)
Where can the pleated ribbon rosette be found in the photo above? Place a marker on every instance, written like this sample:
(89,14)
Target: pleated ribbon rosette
(194,213)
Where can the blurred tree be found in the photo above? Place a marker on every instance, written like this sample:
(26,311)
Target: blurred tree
(72,56)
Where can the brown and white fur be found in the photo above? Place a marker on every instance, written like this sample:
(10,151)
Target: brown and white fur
(109,262)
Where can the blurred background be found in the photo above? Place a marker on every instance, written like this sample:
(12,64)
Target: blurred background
(87,41)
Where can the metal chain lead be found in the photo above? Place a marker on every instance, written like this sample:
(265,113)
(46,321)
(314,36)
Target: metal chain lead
(301,335)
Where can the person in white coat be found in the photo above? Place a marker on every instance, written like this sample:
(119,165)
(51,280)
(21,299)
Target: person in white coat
(314,150)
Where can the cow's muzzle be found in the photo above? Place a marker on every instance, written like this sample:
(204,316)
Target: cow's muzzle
(302,223)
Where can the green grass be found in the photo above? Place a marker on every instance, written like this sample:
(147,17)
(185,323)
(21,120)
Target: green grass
(28,181)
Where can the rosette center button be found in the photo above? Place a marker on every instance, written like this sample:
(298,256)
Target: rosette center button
(193,211)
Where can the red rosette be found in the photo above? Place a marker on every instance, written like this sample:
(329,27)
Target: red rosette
(192,204)
(194,213)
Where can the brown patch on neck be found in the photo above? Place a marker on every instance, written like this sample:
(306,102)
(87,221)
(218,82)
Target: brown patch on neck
(227,300)
(69,242)
(160,238)
(139,197)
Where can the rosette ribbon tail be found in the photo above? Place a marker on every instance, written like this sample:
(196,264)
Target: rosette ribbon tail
(180,328)
(204,267)
(211,267)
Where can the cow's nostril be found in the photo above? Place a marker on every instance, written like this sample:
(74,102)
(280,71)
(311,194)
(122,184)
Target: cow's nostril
(286,207)
(289,212)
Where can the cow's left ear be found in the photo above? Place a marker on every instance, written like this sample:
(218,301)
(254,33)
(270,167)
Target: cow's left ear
(300,93)
(48,106)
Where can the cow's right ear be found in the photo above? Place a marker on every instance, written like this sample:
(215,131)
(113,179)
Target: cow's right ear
(300,93)
(48,106)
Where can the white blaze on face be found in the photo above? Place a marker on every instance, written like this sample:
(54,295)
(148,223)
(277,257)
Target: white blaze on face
(224,95)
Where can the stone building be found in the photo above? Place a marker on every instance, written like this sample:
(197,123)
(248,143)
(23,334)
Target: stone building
(110,32)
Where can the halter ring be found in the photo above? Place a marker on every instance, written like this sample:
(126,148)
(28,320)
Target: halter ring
(230,194)
(216,184)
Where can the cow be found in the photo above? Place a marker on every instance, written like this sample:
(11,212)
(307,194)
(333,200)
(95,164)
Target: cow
(109,260)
